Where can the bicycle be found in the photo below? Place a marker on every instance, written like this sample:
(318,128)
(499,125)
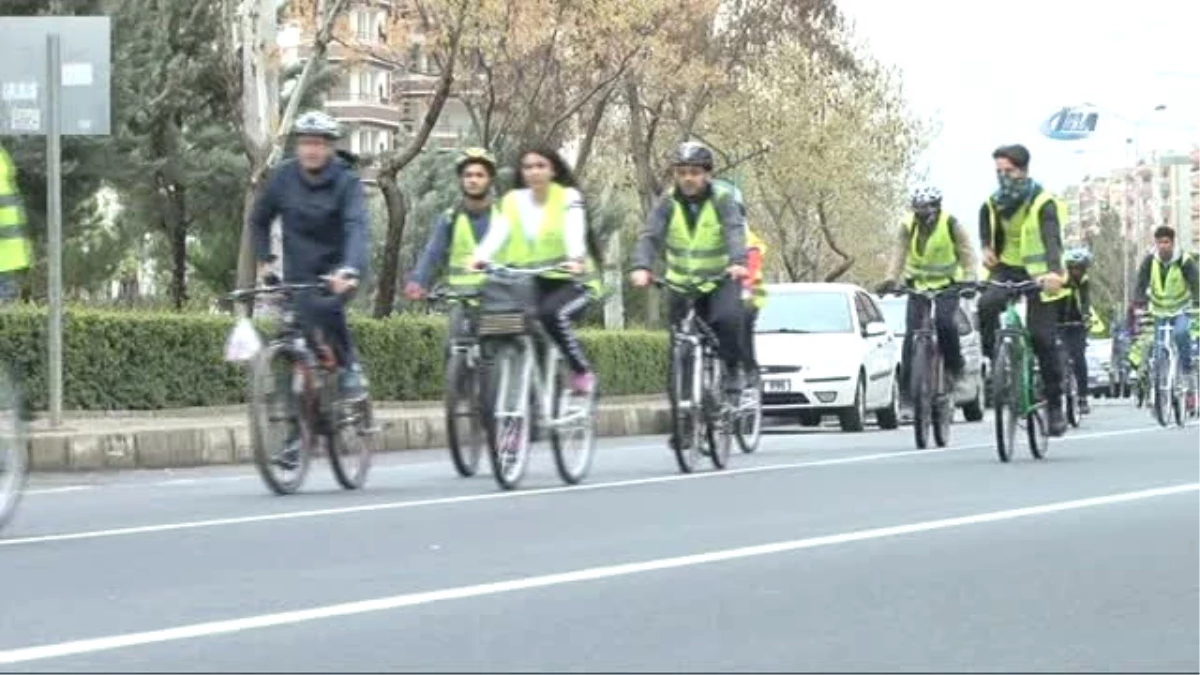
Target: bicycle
(701,412)
(1167,382)
(1071,384)
(464,432)
(510,340)
(1014,385)
(930,392)
(14,440)
(306,396)
(748,419)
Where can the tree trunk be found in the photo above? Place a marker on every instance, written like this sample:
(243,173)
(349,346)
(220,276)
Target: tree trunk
(397,215)
(178,265)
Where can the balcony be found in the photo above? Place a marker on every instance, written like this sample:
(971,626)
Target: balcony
(363,106)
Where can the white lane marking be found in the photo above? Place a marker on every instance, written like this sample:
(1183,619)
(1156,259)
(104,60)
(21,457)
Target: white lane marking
(58,490)
(221,627)
(462,499)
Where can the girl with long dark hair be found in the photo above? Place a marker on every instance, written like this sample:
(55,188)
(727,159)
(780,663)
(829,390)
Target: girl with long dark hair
(544,223)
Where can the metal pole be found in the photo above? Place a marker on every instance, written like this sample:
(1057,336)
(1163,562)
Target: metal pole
(54,222)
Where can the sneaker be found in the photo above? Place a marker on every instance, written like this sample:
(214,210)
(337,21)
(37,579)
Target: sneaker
(353,383)
(582,383)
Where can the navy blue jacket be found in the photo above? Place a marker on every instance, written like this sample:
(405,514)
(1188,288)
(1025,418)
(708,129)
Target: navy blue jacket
(324,220)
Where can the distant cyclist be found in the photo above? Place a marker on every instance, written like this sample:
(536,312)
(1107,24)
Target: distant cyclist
(1168,279)
(1078,310)
(933,250)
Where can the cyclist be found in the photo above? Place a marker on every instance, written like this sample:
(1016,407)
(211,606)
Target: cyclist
(699,226)
(1021,229)
(456,233)
(319,197)
(543,223)
(1078,309)
(932,251)
(754,292)
(1168,280)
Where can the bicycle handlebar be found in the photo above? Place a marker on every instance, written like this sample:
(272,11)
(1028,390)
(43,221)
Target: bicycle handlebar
(688,289)
(1015,287)
(281,289)
(449,294)
(504,270)
(962,288)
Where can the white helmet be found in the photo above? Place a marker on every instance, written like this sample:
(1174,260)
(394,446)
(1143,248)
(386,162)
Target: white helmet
(926,195)
(316,123)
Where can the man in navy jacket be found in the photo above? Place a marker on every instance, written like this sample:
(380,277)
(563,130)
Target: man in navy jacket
(319,196)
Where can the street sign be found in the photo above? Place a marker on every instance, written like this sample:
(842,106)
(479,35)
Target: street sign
(85,75)
(1072,123)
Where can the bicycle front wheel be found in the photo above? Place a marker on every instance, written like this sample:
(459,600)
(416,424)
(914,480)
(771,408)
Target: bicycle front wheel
(1178,393)
(748,427)
(464,433)
(14,461)
(352,444)
(280,433)
(573,432)
(719,416)
(1006,398)
(686,429)
(921,393)
(1162,391)
(1071,394)
(507,414)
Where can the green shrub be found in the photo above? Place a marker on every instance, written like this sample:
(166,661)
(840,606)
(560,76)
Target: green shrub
(142,360)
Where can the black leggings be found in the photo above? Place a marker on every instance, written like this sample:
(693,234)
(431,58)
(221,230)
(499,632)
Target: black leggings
(1075,341)
(560,301)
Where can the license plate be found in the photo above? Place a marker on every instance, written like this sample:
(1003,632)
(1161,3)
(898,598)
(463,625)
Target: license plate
(777,385)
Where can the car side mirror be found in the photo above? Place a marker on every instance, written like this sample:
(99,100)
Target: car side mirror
(875,329)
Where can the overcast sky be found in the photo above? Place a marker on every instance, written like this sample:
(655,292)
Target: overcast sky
(990,73)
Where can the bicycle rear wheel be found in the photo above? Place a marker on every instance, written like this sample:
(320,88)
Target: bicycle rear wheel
(686,428)
(14,461)
(749,419)
(507,416)
(352,443)
(921,393)
(573,432)
(1006,393)
(280,394)
(464,433)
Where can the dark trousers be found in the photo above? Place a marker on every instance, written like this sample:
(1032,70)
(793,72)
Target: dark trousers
(722,310)
(1075,341)
(327,313)
(560,301)
(749,358)
(947,334)
(1042,326)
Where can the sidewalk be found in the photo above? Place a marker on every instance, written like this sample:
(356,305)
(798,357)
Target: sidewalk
(162,439)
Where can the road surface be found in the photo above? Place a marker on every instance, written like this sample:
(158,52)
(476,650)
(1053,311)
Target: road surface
(822,552)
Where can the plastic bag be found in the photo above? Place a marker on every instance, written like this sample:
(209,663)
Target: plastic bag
(243,342)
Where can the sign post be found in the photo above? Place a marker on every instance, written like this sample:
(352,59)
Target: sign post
(54,81)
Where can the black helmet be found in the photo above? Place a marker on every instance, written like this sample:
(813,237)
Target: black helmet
(692,153)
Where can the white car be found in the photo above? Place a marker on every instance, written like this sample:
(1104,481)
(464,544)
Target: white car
(825,348)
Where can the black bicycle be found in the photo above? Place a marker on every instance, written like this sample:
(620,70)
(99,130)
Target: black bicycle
(294,383)
(1071,384)
(702,414)
(464,428)
(929,387)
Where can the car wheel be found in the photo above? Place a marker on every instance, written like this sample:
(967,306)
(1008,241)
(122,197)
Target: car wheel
(973,410)
(853,419)
(889,417)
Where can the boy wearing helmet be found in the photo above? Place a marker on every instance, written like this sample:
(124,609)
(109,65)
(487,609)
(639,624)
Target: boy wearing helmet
(931,251)
(319,197)
(1077,310)
(457,232)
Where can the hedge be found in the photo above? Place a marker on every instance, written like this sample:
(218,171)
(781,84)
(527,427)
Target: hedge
(115,360)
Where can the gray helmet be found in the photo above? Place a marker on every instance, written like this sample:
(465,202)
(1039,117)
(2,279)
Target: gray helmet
(316,123)
(692,153)
(926,195)
(1079,255)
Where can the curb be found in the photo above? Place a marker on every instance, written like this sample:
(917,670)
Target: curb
(205,441)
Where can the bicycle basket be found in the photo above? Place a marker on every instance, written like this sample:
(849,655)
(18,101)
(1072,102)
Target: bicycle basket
(504,305)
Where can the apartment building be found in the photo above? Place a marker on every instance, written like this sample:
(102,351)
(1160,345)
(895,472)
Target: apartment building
(386,79)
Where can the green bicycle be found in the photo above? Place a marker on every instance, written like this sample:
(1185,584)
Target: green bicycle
(1014,382)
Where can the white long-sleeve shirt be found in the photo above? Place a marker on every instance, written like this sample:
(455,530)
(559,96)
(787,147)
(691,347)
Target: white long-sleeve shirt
(531,214)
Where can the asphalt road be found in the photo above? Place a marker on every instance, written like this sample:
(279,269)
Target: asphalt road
(822,552)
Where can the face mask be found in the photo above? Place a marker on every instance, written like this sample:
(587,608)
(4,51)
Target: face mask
(1012,189)
(927,214)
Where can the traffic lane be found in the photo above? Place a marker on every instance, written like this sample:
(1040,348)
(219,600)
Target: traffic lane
(216,494)
(1109,588)
(126,583)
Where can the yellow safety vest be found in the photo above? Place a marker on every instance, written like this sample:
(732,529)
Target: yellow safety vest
(1030,253)
(14,247)
(462,249)
(692,255)
(937,266)
(550,245)
(1169,298)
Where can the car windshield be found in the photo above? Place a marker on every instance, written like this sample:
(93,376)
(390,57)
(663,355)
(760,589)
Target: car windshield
(895,312)
(806,312)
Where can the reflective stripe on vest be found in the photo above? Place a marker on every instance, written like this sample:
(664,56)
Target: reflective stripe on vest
(1032,252)
(937,266)
(701,252)
(462,248)
(1170,297)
